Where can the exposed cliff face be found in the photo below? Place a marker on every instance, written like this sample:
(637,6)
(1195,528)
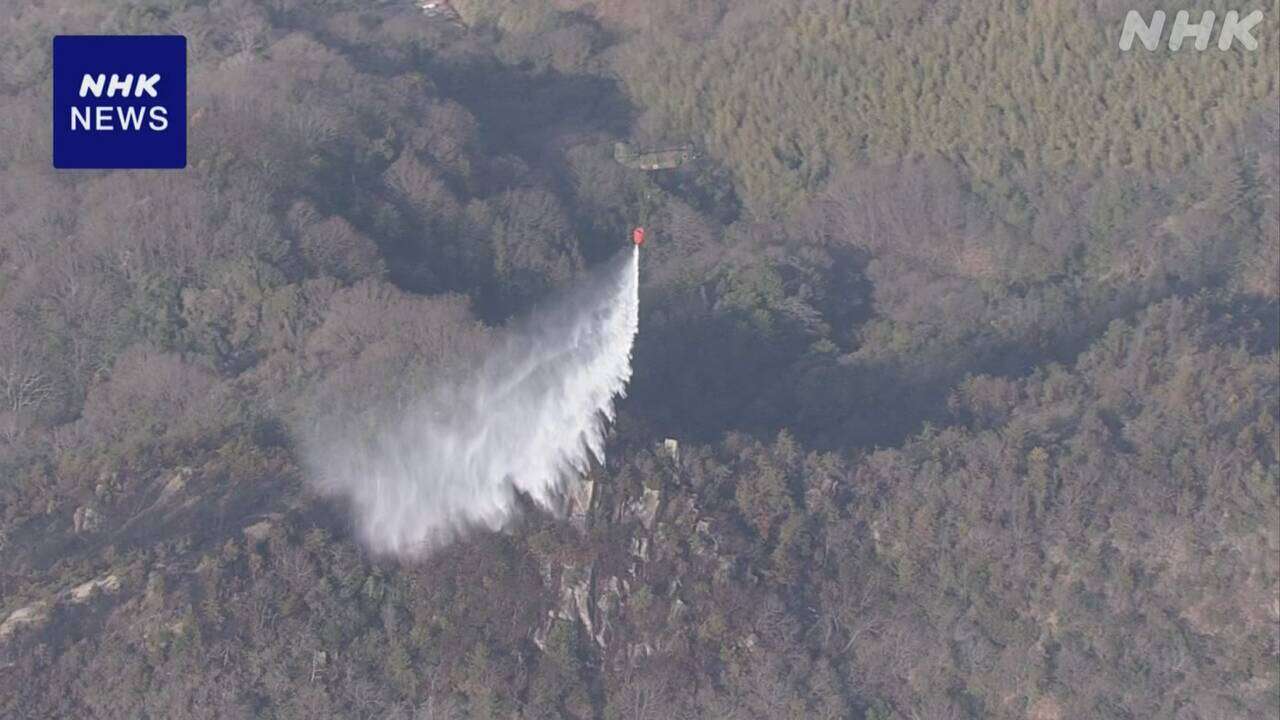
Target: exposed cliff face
(605,598)
(32,617)
(70,605)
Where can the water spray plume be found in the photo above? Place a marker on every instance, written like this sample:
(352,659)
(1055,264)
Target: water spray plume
(528,420)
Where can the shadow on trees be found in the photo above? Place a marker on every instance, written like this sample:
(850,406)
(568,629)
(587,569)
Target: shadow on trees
(535,115)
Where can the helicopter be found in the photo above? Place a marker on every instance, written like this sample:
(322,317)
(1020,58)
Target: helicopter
(441,10)
(653,159)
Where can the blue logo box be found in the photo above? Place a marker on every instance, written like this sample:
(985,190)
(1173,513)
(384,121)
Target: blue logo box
(119,101)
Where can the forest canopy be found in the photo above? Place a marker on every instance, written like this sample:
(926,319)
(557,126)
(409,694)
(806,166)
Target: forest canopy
(964,327)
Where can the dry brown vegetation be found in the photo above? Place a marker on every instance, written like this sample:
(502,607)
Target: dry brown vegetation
(971,349)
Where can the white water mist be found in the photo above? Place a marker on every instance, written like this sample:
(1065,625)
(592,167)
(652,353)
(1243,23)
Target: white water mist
(529,419)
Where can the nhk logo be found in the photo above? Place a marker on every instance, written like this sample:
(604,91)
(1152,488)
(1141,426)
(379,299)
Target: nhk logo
(100,117)
(119,101)
(1234,27)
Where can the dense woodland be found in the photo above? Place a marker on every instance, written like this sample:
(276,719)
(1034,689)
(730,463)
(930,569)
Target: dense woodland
(966,323)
